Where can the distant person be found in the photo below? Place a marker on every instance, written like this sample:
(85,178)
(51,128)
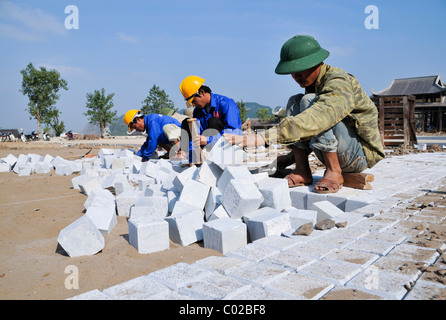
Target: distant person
(215,114)
(161,131)
(335,118)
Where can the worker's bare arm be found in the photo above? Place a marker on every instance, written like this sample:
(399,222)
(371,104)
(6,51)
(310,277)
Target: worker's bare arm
(251,140)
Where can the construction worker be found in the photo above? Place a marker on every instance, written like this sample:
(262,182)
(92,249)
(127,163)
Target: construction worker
(215,114)
(161,131)
(335,118)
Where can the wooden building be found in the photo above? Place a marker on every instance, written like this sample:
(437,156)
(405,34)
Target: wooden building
(430,100)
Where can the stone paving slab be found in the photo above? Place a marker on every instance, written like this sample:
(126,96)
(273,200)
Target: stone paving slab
(376,256)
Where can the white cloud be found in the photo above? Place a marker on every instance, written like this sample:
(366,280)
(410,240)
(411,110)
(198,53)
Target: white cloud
(28,24)
(126,38)
(66,71)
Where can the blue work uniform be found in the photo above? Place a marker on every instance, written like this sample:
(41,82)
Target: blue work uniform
(226,110)
(154,124)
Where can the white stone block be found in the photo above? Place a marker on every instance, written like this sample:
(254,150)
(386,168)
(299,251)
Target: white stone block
(125,200)
(24,170)
(5,167)
(63,169)
(182,177)
(81,238)
(42,167)
(209,173)
(224,234)
(225,154)
(276,193)
(104,218)
(158,205)
(326,210)
(100,198)
(181,207)
(299,217)
(298,197)
(194,193)
(149,234)
(241,197)
(155,190)
(268,224)
(88,185)
(11,159)
(218,213)
(186,228)
(233,172)
(212,202)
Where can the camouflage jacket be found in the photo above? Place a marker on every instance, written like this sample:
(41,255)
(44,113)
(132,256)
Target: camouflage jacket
(339,96)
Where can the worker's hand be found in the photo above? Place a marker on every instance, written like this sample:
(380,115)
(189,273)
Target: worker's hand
(198,141)
(251,140)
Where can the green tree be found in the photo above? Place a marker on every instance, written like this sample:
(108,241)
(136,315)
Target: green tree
(265,115)
(243,111)
(41,87)
(156,100)
(99,108)
(52,120)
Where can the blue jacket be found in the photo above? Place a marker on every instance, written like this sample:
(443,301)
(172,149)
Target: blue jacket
(154,124)
(224,108)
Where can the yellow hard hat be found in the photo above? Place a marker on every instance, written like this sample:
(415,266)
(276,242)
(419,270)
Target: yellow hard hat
(130,116)
(189,88)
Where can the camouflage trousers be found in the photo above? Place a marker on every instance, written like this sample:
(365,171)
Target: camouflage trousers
(341,138)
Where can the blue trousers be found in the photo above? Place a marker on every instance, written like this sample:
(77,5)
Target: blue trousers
(341,138)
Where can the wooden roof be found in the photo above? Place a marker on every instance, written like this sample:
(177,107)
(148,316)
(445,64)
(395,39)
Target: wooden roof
(413,86)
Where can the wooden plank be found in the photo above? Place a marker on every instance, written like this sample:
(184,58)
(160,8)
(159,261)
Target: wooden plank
(358,180)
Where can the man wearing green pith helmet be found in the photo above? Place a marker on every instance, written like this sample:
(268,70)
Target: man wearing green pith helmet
(335,119)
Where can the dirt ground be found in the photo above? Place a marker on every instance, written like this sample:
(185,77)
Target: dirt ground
(35,208)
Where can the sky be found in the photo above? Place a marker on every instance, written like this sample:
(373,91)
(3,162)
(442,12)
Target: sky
(126,47)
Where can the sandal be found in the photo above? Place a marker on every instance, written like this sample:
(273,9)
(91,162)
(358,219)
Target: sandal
(330,186)
(293,183)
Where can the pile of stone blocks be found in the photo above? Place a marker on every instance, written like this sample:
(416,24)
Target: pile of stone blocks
(221,202)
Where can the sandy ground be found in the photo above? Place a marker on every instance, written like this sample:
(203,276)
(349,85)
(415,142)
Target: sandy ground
(33,210)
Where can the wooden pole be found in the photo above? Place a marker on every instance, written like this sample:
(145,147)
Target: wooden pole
(197,157)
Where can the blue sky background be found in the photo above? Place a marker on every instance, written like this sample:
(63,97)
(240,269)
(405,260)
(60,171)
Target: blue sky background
(126,47)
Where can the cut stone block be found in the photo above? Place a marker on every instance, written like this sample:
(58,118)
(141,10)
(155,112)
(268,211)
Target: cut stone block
(326,210)
(241,197)
(182,177)
(268,224)
(276,193)
(104,218)
(231,173)
(155,190)
(186,227)
(299,217)
(10,159)
(224,234)
(42,167)
(88,184)
(212,202)
(100,198)
(24,170)
(149,234)
(194,193)
(298,197)
(5,167)
(160,205)
(225,154)
(218,213)
(209,173)
(81,238)
(126,200)
(63,170)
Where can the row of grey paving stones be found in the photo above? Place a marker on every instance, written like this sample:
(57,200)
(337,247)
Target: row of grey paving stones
(373,256)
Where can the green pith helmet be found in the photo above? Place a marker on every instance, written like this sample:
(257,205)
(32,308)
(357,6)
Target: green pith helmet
(300,53)
(166,111)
